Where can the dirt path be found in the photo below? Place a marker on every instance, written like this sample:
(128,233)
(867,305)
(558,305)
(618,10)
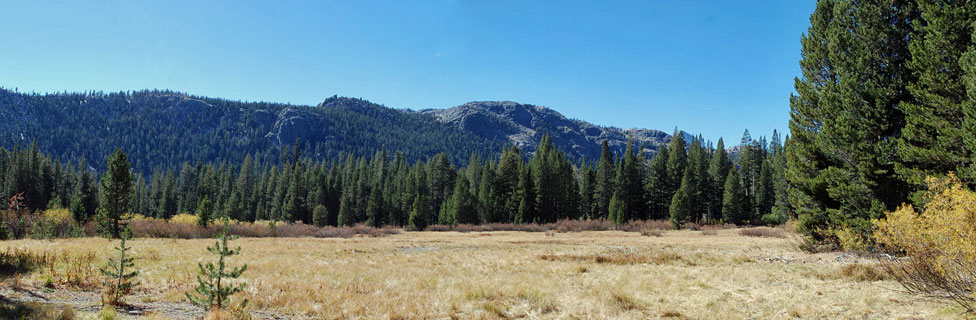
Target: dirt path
(88,302)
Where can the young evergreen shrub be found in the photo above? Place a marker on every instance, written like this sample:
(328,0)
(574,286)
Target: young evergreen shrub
(939,243)
(213,291)
(119,276)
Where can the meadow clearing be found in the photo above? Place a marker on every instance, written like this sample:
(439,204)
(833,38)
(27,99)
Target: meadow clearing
(488,275)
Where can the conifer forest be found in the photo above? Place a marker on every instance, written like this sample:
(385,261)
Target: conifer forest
(163,204)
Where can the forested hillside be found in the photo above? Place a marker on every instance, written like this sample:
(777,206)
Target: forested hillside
(165,129)
(160,129)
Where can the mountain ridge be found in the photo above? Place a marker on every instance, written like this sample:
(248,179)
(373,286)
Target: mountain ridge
(524,125)
(166,128)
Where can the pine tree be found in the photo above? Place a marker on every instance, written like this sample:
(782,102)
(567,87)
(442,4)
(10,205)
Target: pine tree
(968,64)
(441,179)
(233,207)
(204,211)
(618,210)
(587,181)
(781,205)
(139,196)
(931,141)
(695,180)
(280,193)
(682,207)
(486,203)
(604,188)
(186,189)
(677,160)
(347,215)
(418,213)
(168,202)
(213,291)
(505,186)
(718,170)
(116,193)
(320,215)
(733,199)
(295,208)
(845,116)
(464,205)
(749,165)
(656,186)
(527,210)
(247,182)
(630,184)
(555,184)
(120,276)
(87,193)
(78,210)
(375,215)
(421,210)
(765,196)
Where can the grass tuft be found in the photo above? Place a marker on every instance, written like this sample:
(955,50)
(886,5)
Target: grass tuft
(864,272)
(763,232)
(619,258)
(625,301)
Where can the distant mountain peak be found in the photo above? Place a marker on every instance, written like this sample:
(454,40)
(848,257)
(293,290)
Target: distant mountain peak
(524,124)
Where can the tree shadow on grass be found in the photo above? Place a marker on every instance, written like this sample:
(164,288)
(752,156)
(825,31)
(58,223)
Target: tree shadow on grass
(10,309)
(14,262)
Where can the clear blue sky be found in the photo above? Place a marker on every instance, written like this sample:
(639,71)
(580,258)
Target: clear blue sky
(709,67)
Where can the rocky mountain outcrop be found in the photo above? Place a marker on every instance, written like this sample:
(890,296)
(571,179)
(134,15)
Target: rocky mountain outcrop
(524,124)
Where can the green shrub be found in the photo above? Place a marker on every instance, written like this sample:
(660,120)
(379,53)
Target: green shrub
(213,290)
(119,276)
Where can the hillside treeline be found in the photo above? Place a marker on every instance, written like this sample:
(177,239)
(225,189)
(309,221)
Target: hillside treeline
(686,182)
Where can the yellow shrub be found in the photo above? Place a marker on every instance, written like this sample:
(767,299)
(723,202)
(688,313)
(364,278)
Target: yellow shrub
(58,216)
(939,242)
(184,218)
(850,240)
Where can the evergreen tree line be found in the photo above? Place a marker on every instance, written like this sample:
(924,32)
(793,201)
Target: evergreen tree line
(887,97)
(685,182)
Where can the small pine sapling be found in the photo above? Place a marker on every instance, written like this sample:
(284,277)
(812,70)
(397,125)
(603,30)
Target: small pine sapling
(212,290)
(119,276)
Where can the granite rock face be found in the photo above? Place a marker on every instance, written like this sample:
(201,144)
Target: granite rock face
(524,125)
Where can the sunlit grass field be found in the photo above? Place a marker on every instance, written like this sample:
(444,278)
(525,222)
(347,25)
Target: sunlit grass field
(531,275)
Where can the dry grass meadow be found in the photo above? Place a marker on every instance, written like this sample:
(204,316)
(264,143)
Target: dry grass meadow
(580,275)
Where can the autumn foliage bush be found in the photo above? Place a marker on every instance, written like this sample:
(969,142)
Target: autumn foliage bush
(644,225)
(938,243)
(184,226)
(562,225)
(572,225)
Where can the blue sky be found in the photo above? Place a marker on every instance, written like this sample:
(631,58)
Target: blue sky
(709,67)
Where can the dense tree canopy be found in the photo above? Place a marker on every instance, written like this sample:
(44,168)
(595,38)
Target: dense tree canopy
(385,189)
(881,104)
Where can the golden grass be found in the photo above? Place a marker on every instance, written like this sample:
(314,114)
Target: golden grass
(582,275)
(763,232)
